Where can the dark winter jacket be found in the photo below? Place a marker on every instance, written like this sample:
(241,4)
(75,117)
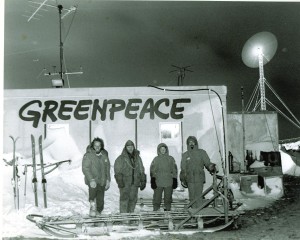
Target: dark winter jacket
(96,167)
(193,162)
(131,170)
(163,168)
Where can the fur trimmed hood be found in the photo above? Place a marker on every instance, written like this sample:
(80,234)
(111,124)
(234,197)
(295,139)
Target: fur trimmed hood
(162,145)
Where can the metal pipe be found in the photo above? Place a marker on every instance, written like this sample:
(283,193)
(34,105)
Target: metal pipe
(60,7)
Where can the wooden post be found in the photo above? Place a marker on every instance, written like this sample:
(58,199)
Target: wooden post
(200,222)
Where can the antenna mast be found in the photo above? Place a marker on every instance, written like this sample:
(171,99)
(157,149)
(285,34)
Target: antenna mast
(261,80)
(180,73)
(61,53)
(243,126)
(58,83)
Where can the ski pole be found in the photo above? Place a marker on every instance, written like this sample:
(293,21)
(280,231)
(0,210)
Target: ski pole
(25,184)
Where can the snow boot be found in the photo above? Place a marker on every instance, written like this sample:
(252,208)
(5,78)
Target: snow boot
(92,209)
(98,214)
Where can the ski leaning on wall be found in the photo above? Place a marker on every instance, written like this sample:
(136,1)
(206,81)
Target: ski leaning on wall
(44,181)
(42,166)
(34,179)
(16,178)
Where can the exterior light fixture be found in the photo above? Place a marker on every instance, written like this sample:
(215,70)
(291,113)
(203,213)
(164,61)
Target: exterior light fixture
(57,83)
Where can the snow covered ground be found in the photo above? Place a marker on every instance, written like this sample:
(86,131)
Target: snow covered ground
(67,195)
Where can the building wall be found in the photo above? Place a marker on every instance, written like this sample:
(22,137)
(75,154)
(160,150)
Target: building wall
(260,133)
(65,119)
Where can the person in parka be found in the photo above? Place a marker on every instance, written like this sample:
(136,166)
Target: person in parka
(163,172)
(96,170)
(129,175)
(192,173)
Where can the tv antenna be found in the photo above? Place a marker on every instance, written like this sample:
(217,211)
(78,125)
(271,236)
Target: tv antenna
(180,73)
(257,51)
(43,6)
(56,82)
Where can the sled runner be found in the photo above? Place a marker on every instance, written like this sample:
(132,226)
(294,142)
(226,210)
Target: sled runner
(176,203)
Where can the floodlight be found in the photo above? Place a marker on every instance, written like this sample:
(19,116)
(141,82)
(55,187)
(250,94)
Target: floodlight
(57,83)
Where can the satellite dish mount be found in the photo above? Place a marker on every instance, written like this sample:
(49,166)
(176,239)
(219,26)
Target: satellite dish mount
(261,80)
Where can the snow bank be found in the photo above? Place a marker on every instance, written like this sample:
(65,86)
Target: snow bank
(292,146)
(289,167)
(67,195)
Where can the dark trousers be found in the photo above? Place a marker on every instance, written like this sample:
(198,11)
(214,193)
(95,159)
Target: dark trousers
(157,197)
(128,198)
(98,194)
(195,193)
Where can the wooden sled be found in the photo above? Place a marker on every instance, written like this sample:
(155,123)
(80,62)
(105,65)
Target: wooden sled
(214,214)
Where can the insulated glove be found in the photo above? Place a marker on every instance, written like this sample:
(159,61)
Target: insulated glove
(143,181)
(183,179)
(184,184)
(153,183)
(93,183)
(212,168)
(119,180)
(143,186)
(175,183)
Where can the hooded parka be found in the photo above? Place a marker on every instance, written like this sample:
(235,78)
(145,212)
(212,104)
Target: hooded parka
(193,162)
(129,174)
(163,171)
(163,168)
(96,167)
(132,169)
(192,171)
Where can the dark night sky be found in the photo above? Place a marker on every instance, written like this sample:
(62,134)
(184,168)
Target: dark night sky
(135,43)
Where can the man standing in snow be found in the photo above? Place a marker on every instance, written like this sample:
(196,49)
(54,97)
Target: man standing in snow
(163,172)
(96,170)
(192,173)
(129,175)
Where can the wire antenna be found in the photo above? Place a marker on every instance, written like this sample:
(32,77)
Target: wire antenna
(180,73)
(38,7)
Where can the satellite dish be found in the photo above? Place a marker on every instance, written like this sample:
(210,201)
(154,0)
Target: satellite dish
(263,42)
